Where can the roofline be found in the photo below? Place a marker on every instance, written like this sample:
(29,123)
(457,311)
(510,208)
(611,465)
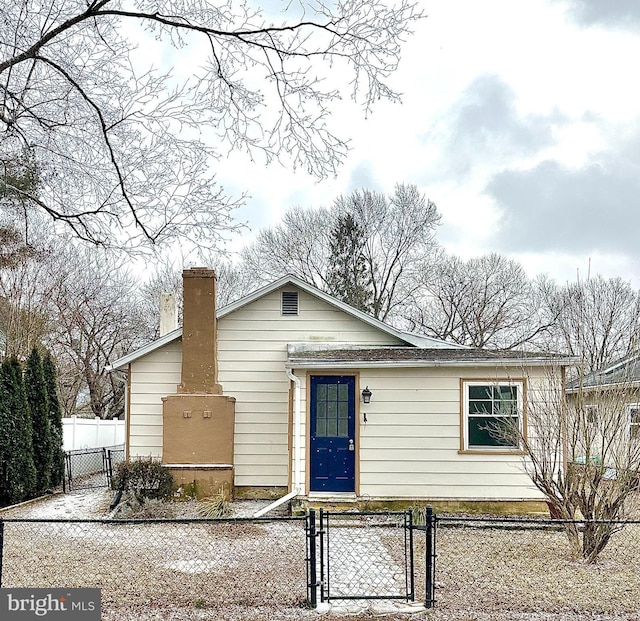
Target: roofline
(618,364)
(381,364)
(596,387)
(595,379)
(406,337)
(413,339)
(143,351)
(422,341)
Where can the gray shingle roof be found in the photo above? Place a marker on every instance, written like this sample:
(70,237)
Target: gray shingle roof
(405,356)
(623,371)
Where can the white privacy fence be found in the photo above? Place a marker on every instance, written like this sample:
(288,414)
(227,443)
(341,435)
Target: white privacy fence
(79,433)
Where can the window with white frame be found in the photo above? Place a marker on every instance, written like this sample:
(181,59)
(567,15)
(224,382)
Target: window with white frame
(492,415)
(634,420)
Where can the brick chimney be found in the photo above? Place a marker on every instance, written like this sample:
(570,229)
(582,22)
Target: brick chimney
(199,333)
(168,313)
(198,421)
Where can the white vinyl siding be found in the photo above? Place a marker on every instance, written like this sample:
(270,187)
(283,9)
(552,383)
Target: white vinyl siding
(153,376)
(410,445)
(252,352)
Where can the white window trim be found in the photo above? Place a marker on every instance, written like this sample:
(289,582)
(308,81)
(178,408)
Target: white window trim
(632,406)
(465,414)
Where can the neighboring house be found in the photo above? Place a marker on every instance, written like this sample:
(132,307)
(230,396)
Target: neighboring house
(615,386)
(290,392)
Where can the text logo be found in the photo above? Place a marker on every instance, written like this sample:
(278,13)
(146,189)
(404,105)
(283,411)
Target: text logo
(50,604)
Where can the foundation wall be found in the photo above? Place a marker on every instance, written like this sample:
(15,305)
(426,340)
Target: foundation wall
(204,481)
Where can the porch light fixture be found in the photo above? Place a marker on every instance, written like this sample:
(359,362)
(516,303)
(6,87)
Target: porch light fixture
(366,395)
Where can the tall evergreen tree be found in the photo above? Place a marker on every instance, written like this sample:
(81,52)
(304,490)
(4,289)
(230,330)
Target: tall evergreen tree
(6,436)
(349,279)
(55,420)
(39,410)
(20,469)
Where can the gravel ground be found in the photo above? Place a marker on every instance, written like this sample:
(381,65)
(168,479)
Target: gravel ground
(256,570)
(524,570)
(94,504)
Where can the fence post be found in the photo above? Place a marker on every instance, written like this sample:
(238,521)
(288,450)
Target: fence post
(109,467)
(74,423)
(105,465)
(412,584)
(68,471)
(430,558)
(1,547)
(313,578)
(324,571)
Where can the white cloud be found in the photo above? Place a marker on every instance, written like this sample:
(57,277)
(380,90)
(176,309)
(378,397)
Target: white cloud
(518,119)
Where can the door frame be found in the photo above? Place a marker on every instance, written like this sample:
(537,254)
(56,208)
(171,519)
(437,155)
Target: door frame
(307,431)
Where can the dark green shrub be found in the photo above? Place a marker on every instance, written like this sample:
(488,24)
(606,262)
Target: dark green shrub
(55,420)
(143,479)
(38,399)
(16,448)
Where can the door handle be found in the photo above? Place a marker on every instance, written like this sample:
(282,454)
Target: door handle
(351,446)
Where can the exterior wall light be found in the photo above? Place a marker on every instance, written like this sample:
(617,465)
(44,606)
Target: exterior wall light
(366,395)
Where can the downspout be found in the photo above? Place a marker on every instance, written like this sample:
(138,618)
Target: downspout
(296,487)
(297,431)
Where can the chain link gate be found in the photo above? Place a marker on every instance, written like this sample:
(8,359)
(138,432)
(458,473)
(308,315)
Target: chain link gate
(91,468)
(360,556)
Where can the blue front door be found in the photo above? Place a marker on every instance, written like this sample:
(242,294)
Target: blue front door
(332,433)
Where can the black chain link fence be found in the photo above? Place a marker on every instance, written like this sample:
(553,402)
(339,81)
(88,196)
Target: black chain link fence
(161,564)
(113,456)
(499,565)
(92,467)
(366,556)
(259,568)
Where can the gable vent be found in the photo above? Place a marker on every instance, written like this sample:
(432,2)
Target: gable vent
(289,302)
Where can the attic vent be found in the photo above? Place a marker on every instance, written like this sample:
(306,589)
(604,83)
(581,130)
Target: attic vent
(289,302)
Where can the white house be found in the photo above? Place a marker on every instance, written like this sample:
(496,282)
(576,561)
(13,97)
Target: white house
(289,392)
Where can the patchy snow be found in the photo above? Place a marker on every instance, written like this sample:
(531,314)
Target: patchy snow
(94,503)
(193,566)
(376,608)
(361,565)
(81,504)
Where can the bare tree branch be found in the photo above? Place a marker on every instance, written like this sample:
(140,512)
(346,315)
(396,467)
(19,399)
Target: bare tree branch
(123,149)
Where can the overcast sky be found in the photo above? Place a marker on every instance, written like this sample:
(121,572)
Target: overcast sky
(520,120)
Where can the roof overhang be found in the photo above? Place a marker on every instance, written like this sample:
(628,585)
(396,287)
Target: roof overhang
(405,364)
(409,338)
(416,340)
(123,362)
(586,388)
(329,357)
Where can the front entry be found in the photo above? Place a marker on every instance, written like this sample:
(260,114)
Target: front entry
(332,433)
